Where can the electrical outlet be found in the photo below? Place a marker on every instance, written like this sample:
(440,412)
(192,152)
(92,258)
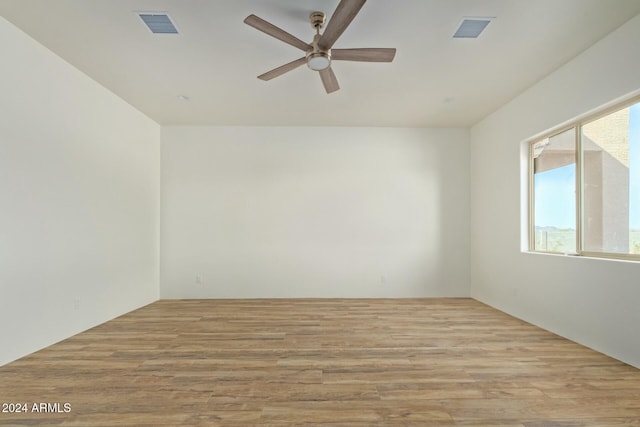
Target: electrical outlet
(383,279)
(199,279)
(76,303)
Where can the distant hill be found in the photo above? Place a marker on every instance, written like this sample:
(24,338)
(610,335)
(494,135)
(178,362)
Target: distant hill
(552,228)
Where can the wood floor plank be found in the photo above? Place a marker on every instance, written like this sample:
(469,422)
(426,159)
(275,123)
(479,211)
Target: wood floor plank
(334,362)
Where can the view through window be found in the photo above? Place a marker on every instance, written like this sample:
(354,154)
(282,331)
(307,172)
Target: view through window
(585,184)
(554,166)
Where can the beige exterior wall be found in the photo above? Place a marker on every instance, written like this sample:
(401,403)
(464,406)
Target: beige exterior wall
(605,143)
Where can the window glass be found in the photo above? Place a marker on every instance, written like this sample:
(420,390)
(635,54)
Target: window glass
(554,189)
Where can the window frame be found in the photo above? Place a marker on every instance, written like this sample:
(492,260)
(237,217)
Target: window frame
(575,125)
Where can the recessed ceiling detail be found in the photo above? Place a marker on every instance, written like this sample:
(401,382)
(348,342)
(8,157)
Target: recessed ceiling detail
(158,23)
(471,28)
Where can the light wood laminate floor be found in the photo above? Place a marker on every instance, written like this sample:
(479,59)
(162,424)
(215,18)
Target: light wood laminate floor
(338,362)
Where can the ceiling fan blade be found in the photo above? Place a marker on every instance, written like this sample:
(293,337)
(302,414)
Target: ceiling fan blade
(329,80)
(364,54)
(340,20)
(282,69)
(273,31)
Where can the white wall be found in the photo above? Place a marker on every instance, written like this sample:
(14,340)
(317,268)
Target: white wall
(594,302)
(314,212)
(79,200)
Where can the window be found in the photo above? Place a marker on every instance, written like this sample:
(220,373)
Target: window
(585,186)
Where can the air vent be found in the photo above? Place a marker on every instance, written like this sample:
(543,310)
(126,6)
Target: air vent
(470,28)
(158,23)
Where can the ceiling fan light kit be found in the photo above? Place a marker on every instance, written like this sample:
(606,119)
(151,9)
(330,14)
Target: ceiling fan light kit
(318,61)
(318,53)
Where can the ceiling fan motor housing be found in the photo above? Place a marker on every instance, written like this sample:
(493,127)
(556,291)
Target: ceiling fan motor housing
(318,59)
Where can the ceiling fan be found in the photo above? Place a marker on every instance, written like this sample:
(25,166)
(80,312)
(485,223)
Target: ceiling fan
(319,53)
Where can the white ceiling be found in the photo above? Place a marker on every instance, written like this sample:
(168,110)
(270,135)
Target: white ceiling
(434,81)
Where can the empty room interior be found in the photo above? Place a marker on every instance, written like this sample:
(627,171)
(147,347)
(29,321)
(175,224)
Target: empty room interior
(320,212)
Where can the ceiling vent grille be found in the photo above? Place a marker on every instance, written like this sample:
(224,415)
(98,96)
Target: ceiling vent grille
(470,28)
(158,23)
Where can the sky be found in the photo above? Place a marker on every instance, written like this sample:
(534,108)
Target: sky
(555,189)
(555,192)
